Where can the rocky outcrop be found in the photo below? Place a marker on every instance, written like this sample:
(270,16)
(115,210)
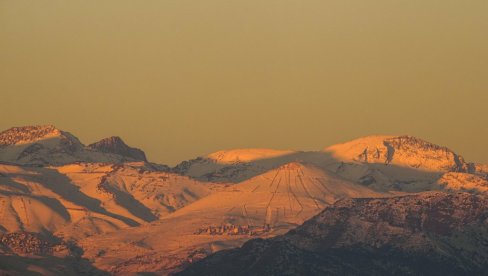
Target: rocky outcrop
(481,169)
(473,183)
(31,243)
(116,145)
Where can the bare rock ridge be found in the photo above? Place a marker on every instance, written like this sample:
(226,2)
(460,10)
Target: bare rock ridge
(431,233)
(116,145)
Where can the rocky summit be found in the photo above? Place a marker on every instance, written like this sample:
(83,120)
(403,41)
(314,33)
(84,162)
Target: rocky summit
(116,145)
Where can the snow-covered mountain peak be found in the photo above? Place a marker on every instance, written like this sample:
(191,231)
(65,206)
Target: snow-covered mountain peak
(47,145)
(405,151)
(30,134)
(245,155)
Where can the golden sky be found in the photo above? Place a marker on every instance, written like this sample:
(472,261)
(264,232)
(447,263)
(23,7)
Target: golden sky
(182,78)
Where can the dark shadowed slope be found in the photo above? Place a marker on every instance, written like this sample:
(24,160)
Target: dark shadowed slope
(431,233)
(116,145)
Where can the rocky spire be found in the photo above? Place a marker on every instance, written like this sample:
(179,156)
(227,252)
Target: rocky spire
(116,145)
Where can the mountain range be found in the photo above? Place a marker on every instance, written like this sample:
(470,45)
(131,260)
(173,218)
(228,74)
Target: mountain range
(47,145)
(375,205)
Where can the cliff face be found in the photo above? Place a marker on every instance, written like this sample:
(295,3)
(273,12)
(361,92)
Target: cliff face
(116,145)
(430,233)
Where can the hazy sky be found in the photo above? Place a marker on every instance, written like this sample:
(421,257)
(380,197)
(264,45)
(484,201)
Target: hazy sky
(182,78)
